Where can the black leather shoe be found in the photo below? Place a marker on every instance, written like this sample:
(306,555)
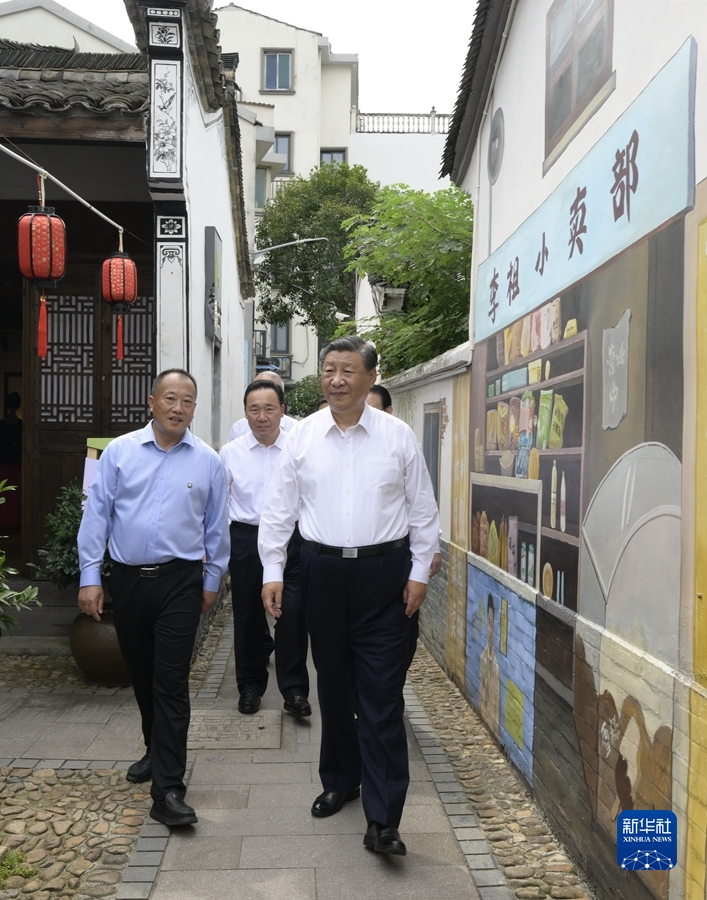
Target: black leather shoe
(141,770)
(248,703)
(299,706)
(384,839)
(173,811)
(329,803)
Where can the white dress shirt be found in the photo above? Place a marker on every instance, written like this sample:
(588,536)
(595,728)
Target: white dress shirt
(367,485)
(242,427)
(248,466)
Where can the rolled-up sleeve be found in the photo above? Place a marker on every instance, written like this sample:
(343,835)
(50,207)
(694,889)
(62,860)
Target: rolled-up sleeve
(216,538)
(279,516)
(96,522)
(423,515)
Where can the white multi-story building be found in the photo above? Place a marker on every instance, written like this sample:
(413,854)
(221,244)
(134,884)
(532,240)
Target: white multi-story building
(298,104)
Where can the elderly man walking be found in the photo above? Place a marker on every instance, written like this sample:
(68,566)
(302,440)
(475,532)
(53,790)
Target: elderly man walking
(159,498)
(356,480)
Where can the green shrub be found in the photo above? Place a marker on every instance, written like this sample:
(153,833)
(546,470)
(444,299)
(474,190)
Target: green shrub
(10,599)
(60,555)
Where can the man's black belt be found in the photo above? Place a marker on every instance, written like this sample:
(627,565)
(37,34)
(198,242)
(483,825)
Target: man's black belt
(244,526)
(165,568)
(355,552)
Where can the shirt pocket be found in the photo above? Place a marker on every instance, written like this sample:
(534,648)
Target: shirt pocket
(382,475)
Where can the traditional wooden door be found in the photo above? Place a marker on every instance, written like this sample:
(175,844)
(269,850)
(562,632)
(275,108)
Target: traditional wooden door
(79,390)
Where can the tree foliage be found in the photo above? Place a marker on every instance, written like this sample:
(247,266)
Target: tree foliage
(422,242)
(303,398)
(311,280)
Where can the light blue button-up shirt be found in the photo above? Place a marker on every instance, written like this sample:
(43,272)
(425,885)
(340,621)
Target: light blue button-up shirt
(155,505)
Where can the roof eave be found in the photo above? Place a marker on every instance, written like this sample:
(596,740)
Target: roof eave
(484,48)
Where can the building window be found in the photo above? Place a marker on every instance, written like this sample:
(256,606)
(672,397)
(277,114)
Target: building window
(261,186)
(283,145)
(279,339)
(332,156)
(278,71)
(431,442)
(579,58)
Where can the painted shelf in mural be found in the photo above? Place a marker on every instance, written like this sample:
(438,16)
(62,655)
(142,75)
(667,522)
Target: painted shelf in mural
(560,381)
(561,369)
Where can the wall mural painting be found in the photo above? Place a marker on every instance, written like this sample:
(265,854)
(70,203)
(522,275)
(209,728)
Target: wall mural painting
(576,471)
(500,672)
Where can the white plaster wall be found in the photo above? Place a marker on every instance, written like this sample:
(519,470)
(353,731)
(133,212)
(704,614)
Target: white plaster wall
(409,405)
(411,159)
(42,27)
(248,34)
(248,129)
(643,44)
(335,106)
(365,307)
(207,191)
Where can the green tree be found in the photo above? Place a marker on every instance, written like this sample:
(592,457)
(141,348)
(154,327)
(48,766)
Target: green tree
(422,242)
(311,280)
(303,398)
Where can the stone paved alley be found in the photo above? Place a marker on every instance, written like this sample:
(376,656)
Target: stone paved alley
(471,828)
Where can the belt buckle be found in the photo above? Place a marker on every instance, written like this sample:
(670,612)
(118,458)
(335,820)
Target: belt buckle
(349,552)
(149,571)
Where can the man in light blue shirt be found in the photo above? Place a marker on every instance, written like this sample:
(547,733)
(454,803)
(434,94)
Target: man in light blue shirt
(159,499)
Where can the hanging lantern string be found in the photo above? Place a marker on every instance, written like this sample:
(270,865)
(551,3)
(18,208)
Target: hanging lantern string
(44,174)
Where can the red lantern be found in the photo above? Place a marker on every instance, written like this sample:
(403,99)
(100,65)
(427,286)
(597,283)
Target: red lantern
(42,255)
(119,283)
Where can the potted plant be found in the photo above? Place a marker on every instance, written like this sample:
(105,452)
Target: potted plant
(10,599)
(94,645)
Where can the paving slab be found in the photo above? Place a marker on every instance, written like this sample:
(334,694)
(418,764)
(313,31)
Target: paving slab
(275,884)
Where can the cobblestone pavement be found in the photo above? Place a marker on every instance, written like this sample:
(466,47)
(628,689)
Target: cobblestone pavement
(79,828)
(530,855)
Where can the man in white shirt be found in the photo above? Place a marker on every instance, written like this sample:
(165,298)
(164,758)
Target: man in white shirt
(248,464)
(356,480)
(242,427)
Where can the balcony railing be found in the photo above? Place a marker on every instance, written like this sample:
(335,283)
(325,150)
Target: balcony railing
(403,123)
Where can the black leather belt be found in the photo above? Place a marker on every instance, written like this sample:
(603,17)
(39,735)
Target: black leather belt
(244,526)
(160,569)
(355,552)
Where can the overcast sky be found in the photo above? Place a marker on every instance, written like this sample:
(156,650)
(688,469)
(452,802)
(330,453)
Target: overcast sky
(408,62)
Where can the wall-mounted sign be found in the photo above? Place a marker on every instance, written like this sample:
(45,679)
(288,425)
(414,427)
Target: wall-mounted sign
(636,178)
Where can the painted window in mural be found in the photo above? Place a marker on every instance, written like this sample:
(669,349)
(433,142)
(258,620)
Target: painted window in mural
(431,442)
(579,56)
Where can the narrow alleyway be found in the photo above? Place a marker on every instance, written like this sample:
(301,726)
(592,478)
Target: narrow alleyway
(471,829)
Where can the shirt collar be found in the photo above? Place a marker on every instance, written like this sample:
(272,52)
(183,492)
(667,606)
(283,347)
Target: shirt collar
(148,434)
(365,421)
(252,440)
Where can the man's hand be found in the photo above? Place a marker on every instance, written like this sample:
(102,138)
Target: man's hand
(91,600)
(436,566)
(272,598)
(414,594)
(209,598)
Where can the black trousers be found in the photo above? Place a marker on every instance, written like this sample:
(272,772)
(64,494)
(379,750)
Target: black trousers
(156,620)
(361,645)
(250,628)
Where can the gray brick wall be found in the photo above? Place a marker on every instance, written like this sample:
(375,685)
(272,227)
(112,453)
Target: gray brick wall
(433,615)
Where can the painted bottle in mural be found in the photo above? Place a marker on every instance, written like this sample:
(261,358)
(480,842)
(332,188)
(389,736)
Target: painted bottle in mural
(553,496)
(563,504)
(531,565)
(523,560)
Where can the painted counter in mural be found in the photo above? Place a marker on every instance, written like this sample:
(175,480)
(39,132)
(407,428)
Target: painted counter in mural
(573,599)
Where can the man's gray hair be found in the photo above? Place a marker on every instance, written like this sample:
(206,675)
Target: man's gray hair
(352,344)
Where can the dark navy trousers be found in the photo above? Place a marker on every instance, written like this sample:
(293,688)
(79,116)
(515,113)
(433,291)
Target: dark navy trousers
(361,646)
(252,642)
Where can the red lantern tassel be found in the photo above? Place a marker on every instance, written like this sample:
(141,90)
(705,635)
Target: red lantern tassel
(42,328)
(119,338)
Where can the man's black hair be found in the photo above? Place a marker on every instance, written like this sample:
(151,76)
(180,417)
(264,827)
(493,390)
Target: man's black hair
(261,386)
